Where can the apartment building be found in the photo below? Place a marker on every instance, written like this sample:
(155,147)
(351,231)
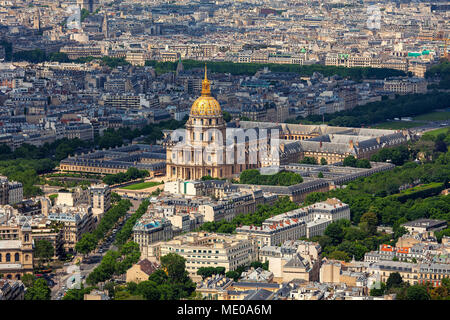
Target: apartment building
(15,192)
(148,230)
(82,131)
(406,86)
(169,56)
(75,222)
(137,57)
(16,249)
(4,190)
(11,290)
(293,259)
(201,249)
(424,225)
(350,61)
(276,230)
(228,207)
(100,199)
(75,52)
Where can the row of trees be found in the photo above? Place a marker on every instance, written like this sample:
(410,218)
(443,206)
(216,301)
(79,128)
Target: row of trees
(356,74)
(351,161)
(312,160)
(116,137)
(38,56)
(376,112)
(89,240)
(115,263)
(131,174)
(284,178)
(206,272)
(125,233)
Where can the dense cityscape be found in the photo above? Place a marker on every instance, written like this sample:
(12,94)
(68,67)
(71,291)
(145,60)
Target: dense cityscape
(224,150)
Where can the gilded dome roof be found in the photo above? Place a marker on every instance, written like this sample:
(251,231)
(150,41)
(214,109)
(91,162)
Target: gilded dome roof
(206,105)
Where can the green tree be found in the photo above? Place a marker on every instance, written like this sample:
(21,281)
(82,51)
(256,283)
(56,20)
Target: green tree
(44,250)
(394,281)
(350,161)
(206,272)
(323,161)
(233,275)
(115,197)
(335,232)
(339,255)
(417,292)
(87,243)
(175,266)
(38,291)
(309,160)
(226,116)
(148,290)
(369,222)
(28,279)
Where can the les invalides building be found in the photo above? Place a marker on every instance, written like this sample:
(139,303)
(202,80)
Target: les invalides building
(201,150)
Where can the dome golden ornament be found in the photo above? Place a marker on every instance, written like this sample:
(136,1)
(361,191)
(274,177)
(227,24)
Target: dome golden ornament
(206,105)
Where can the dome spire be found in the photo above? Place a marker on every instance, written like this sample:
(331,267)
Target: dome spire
(206,90)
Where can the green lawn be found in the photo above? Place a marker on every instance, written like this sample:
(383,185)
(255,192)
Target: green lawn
(434,116)
(142,185)
(422,187)
(396,125)
(435,133)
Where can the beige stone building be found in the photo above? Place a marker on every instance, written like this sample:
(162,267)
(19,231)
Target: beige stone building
(141,271)
(100,199)
(201,249)
(16,251)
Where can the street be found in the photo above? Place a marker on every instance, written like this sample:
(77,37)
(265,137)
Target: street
(89,262)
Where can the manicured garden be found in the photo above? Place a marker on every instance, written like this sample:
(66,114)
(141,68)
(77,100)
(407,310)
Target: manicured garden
(142,185)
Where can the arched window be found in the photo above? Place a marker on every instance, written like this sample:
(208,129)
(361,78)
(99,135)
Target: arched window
(26,237)
(0,257)
(26,257)
(8,257)
(16,257)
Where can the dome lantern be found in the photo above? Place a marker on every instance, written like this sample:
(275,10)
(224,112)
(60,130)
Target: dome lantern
(206,105)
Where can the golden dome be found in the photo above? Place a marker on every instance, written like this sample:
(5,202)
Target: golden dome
(206,105)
